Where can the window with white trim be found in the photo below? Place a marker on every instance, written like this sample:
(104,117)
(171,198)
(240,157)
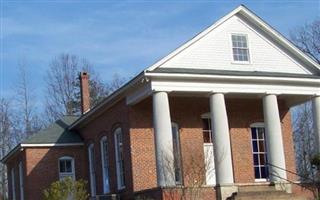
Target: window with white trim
(21,183)
(176,154)
(240,48)
(92,171)
(105,164)
(66,167)
(259,152)
(13,184)
(119,158)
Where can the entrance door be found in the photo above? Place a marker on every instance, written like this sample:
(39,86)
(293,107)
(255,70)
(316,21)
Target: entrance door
(260,157)
(208,152)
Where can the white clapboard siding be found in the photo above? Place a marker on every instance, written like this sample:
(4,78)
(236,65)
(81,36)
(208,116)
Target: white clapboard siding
(214,51)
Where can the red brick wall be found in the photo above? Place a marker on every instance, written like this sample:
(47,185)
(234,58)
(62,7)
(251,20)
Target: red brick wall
(42,167)
(142,146)
(104,125)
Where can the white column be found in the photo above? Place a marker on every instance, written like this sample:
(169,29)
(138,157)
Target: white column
(274,139)
(221,139)
(316,119)
(163,139)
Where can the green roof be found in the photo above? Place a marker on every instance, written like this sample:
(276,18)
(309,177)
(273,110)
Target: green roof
(57,133)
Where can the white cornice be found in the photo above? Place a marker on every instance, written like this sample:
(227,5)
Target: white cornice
(233,84)
(53,144)
(203,77)
(20,147)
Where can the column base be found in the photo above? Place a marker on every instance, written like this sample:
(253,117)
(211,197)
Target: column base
(225,191)
(283,186)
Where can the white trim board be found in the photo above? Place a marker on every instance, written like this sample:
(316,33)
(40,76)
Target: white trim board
(52,145)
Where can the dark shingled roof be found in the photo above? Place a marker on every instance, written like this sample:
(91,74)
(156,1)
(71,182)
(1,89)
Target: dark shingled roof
(232,73)
(56,133)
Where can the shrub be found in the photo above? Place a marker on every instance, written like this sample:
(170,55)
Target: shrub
(67,189)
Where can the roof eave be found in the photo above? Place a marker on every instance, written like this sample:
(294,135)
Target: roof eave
(10,154)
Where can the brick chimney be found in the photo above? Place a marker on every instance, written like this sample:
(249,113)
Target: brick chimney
(85,92)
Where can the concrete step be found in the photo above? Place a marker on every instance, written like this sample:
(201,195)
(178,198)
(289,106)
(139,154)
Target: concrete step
(256,188)
(266,196)
(263,192)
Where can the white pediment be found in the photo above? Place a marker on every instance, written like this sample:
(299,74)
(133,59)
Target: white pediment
(212,49)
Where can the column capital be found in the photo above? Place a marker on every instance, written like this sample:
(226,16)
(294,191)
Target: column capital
(217,92)
(271,93)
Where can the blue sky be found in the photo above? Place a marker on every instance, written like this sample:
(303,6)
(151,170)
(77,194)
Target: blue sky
(121,37)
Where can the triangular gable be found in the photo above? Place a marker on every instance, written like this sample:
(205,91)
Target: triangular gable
(275,53)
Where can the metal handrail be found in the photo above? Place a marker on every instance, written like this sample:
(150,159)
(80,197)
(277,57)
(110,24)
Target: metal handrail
(301,176)
(300,184)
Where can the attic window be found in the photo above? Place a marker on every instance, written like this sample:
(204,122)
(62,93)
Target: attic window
(240,48)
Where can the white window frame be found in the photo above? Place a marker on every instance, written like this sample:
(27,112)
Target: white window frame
(248,48)
(119,164)
(105,164)
(21,181)
(258,125)
(13,184)
(178,150)
(71,174)
(92,172)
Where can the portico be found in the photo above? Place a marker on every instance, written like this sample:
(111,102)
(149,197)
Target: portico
(269,91)
(248,77)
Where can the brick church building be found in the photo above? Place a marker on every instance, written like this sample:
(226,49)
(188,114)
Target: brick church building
(210,120)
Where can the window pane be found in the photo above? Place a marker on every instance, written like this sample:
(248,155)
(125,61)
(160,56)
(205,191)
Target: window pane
(206,137)
(253,133)
(62,166)
(255,146)
(260,133)
(261,146)
(255,159)
(256,172)
(261,158)
(263,172)
(68,166)
(206,130)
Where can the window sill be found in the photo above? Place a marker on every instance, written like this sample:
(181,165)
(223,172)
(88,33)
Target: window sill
(121,188)
(261,180)
(241,62)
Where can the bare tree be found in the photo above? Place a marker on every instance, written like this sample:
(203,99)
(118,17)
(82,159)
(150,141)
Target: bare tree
(6,141)
(63,90)
(196,168)
(28,121)
(307,38)
(116,82)
(63,86)
(304,140)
